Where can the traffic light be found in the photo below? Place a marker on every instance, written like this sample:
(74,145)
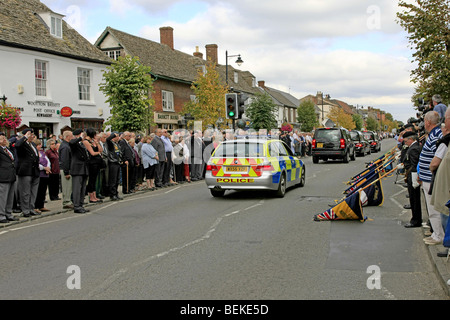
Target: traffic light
(232,106)
(241,105)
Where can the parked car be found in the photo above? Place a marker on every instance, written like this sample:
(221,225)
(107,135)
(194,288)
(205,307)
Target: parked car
(362,146)
(372,137)
(332,143)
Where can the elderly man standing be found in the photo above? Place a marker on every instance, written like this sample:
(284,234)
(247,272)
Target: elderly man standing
(439,107)
(128,162)
(158,144)
(433,128)
(28,172)
(79,170)
(7,181)
(64,166)
(410,162)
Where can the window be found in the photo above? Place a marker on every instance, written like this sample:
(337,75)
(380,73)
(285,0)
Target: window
(56,27)
(84,84)
(113,54)
(167,101)
(40,78)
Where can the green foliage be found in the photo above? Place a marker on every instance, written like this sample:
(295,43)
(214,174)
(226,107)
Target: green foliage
(427,24)
(372,124)
(209,104)
(358,120)
(306,116)
(261,112)
(128,86)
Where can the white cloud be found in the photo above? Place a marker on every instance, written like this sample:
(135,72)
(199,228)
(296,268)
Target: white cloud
(354,49)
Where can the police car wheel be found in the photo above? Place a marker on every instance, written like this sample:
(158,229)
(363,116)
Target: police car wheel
(282,186)
(217,193)
(302,178)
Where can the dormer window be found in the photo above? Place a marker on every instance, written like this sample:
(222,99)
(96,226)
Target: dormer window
(56,27)
(54,23)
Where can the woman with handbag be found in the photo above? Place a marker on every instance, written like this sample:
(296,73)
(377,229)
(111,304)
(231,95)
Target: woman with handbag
(95,163)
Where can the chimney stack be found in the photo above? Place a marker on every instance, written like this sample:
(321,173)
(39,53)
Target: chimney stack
(211,53)
(166,34)
(197,53)
(262,84)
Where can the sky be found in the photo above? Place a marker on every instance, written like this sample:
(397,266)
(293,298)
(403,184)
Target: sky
(353,50)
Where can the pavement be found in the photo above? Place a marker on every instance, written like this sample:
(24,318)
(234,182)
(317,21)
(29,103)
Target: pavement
(441,264)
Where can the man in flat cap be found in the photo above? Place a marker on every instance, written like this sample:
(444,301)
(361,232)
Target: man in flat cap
(27,172)
(7,181)
(410,162)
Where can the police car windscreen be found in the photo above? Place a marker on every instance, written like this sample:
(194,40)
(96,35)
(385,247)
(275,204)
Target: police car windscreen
(240,150)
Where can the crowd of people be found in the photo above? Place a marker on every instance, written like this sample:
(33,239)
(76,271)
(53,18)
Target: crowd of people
(426,161)
(84,163)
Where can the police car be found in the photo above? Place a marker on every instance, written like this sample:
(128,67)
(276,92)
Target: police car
(253,164)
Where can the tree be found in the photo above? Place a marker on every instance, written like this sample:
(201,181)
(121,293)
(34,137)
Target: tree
(372,124)
(209,103)
(341,118)
(306,116)
(358,120)
(261,112)
(427,24)
(128,86)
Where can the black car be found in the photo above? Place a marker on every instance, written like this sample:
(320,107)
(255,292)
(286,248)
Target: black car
(332,143)
(362,146)
(372,137)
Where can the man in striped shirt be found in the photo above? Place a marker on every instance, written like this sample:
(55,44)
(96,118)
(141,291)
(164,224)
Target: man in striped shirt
(432,127)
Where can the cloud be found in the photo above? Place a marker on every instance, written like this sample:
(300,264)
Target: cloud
(353,50)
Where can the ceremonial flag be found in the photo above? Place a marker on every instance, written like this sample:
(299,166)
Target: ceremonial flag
(373,194)
(363,181)
(348,209)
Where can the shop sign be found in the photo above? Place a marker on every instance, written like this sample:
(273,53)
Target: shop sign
(66,112)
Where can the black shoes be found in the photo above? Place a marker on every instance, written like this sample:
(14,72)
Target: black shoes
(407,206)
(81,210)
(115,198)
(413,225)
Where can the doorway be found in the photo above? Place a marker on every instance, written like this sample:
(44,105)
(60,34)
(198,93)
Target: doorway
(42,131)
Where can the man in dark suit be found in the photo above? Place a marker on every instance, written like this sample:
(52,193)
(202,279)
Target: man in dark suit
(158,144)
(7,181)
(64,165)
(27,172)
(114,162)
(79,170)
(410,162)
(128,162)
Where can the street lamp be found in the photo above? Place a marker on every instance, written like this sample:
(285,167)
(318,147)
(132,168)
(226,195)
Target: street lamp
(239,62)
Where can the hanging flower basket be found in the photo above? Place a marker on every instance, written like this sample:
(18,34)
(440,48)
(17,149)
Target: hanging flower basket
(286,127)
(10,117)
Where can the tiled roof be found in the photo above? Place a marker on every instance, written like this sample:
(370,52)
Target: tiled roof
(285,99)
(161,58)
(174,64)
(21,26)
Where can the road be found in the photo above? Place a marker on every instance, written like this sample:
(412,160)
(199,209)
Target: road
(180,243)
